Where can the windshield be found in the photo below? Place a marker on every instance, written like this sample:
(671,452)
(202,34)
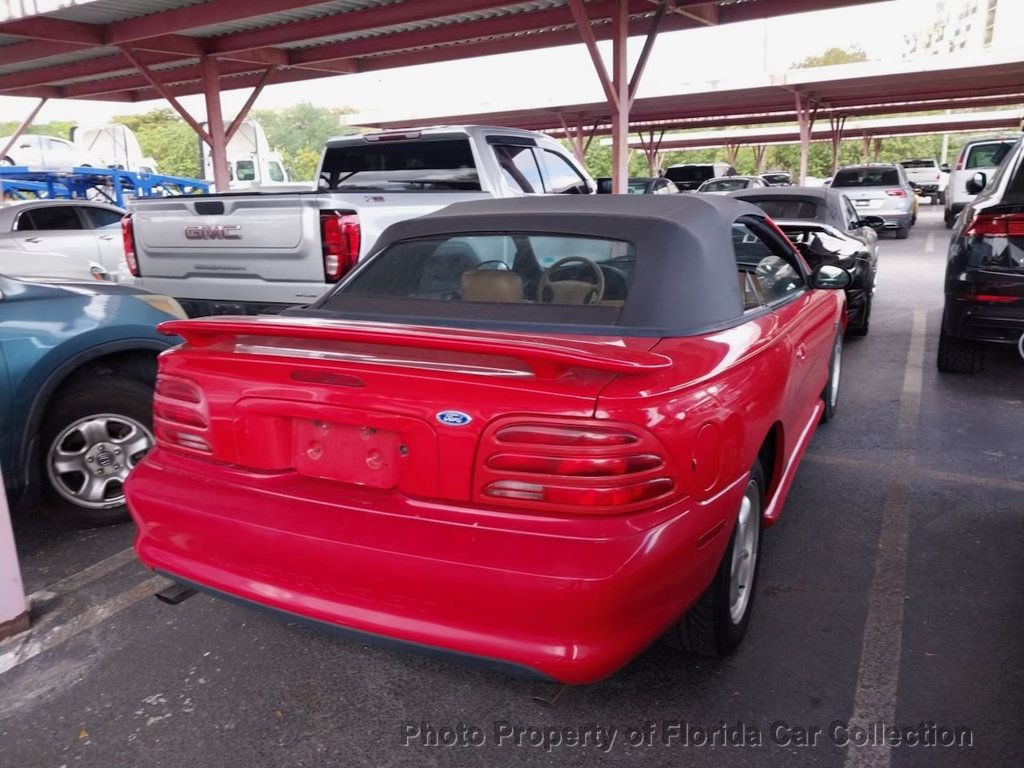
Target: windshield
(639,187)
(401,166)
(530,270)
(724,185)
(867,177)
(987,155)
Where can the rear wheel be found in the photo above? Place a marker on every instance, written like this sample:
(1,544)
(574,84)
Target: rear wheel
(717,622)
(950,219)
(903,232)
(6,161)
(959,356)
(864,326)
(93,436)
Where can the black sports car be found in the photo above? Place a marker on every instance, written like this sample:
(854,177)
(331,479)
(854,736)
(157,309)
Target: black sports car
(985,272)
(827,229)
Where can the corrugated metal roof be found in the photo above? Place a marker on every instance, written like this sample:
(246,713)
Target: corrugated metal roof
(75,57)
(107,11)
(249,24)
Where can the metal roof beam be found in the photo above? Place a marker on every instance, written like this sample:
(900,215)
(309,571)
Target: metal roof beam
(55,30)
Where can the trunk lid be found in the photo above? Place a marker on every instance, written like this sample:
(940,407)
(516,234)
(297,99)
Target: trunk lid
(385,406)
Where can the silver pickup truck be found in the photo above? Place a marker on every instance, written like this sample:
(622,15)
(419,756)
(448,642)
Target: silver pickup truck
(258,252)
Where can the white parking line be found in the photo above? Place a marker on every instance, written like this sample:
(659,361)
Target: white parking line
(929,243)
(878,677)
(85,576)
(42,638)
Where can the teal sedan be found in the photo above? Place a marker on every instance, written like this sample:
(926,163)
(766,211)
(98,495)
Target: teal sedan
(77,370)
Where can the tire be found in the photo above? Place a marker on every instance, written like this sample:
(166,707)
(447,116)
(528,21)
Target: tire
(717,622)
(94,426)
(830,394)
(940,198)
(6,161)
(865,324)
(950,219)
(903,232)
(959,356)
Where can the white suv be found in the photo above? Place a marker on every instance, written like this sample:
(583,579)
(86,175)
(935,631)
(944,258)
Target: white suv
(977,155)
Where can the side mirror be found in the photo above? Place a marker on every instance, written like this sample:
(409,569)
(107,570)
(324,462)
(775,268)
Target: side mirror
(976,183)
(875,222)
(944,167)
(831,277)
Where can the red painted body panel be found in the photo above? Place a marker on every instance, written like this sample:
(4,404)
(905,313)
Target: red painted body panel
(308,469)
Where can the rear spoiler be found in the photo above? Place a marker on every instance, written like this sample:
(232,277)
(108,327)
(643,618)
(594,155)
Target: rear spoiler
(546,358)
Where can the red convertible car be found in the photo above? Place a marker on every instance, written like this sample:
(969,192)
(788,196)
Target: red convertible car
(534,433)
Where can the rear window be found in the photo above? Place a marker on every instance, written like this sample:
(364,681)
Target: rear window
(919,164)
(987,155)
(401,166)
(725,185)
(533,271)
(776,178)
(867,177)
(788,209)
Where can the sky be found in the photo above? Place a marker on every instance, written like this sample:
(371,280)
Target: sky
(522,80)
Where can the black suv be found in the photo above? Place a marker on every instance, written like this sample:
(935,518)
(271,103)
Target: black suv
(985,273)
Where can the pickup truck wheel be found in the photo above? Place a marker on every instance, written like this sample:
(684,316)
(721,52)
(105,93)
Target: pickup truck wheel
(94,434)
(903,232)
(6,161)
(959,356)
(717,622)
(950,219)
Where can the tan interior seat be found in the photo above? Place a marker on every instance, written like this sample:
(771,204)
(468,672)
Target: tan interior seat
(492,285)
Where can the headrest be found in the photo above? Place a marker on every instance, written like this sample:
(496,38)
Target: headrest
(492,285)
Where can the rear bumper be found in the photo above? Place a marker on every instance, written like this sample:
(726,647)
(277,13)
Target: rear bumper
(894,219)
(992,323)
(568,599)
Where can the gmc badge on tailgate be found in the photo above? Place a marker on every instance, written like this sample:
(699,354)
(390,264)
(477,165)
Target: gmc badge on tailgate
(215,232)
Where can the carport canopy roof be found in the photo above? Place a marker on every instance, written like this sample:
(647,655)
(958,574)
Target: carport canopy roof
(846,90)
(78,49)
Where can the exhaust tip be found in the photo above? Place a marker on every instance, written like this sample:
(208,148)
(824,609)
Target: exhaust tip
(175,594)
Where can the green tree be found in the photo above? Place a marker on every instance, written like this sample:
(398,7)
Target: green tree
(167,139)
(300,132)
(833,56)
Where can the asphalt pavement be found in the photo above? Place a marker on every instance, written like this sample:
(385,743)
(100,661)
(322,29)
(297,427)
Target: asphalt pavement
(890,597)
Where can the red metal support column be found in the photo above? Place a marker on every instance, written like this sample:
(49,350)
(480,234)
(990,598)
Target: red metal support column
(244,111)
(215,124)
(836,124)
(620,109)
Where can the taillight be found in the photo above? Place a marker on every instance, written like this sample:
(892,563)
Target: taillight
(128,238)
(339,238)
(960,160)
(180,418)
(576,467)
(898,192)
(994,225)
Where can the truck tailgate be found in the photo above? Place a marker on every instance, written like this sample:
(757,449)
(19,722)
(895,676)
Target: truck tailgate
(263,237)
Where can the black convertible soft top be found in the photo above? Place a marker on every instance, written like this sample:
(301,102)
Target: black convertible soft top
(686,265)
(828,201)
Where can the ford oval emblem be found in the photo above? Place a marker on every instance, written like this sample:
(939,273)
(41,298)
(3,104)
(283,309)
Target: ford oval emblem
(454,418)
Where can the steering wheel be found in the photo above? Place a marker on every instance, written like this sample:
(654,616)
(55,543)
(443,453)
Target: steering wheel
(502,266)
(571,291)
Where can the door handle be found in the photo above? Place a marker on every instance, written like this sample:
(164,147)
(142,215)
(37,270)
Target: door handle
(33,239)
(106,237)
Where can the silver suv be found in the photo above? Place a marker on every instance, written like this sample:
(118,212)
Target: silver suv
(880,189)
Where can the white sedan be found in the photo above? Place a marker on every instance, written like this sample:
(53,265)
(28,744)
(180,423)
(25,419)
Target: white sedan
(35,264)
(80,229)
(38,151)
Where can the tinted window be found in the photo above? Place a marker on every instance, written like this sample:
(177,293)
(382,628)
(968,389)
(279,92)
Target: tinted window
(867,177)
(562,178)
(690,173)
(276,171)
(501,269)
(638,187)
(776,178)
(102,217)
(401,165)
(764,275)
(245,170)
(987,155)
(918,164)
(788,209)
(53,217)
(519,168)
